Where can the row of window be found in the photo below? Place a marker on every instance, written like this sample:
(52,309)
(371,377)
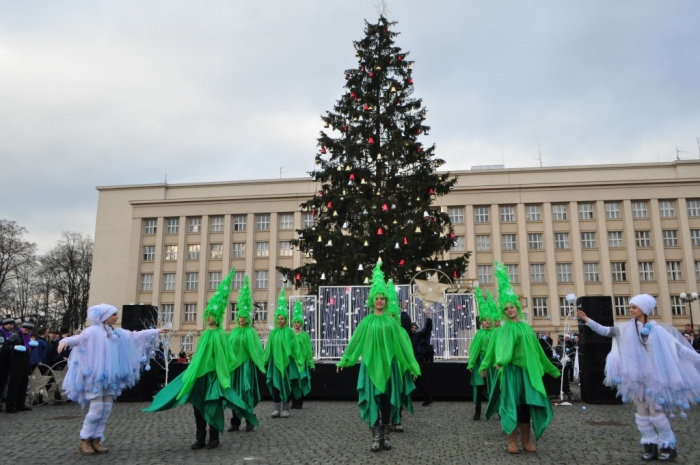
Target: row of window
(591,274)
(216,223)
(190,314)
(621,304)
(216,251)
(560,211)
(192,280)
(588,240)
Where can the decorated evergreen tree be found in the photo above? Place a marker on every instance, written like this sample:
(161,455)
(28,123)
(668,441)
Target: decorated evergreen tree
(378,182)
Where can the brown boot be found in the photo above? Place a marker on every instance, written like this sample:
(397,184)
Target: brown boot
(525,438)
(99,448)
(513,442)
(85,447)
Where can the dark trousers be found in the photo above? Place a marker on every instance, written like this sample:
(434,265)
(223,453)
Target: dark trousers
(276,397)
(5,366)
(524,413)
(202,427)
(19,380)
(384,409)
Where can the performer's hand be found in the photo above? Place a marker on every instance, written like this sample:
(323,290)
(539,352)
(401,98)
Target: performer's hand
(483,374)
(164,330)
(498,367)
(582,316)
(61,348)
(338,369)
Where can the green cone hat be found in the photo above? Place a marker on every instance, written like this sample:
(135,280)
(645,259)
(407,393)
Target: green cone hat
(282,308)
(298,313)
(506,294)
(217,305)
(392,301)
(378,285)
(245,301)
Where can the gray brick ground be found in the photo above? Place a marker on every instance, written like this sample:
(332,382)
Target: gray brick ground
(332,433)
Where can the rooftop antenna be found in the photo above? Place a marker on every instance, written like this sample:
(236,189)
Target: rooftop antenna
(678,152)
(166,178)
(282,170)
(539,154)
(698,139)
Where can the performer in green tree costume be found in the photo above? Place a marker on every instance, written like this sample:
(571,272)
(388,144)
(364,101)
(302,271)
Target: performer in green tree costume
(307,352)
(247,350)
(384,383)
(519,393)
(282,358)
(206,384)
(488,314)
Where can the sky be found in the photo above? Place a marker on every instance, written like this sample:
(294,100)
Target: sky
(96,93)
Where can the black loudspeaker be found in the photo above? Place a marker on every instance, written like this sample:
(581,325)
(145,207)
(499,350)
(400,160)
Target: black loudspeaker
(593,391)
(138,317)
(600,310)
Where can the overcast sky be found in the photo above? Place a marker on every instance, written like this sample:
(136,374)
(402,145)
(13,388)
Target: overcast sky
(122,92)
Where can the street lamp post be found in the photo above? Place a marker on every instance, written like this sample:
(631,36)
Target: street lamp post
(688,299)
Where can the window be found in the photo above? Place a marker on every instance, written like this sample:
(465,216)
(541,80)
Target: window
(262,249)
(483,243)
(190,313)
(239,222)
(533,213)
(149,253)
(217,224)
(642,238)
(234,310)
(566,308)
(283,282)
(695,237)
(619,271)
(187,343)
(485,274)
(585,211)
(168,281)
(216,251)
(588,240)
(214,279)
(564,273)
(560,212)
(508,242)
(693,208)
(612,210)
(193,252)
(237,281)
(262,222)
(308,220)
(173,225)
(456,214)
(697,270)
(670,238)
(622,305)
(673,270)
(481,214)
(286,220)
(590,273)
(459,244)
(261,280)
(646,271)
(191,281)
(534,241)
(286,249)
(149,226)
(561,240)
(195,225)
(539,306)
(507,213)
(615,239)
(239,250)
(639,209)
(260,311)
(146,282)
(166,312)
(677,306)
(170,252)
(513,273)
(537,273)
(667,209)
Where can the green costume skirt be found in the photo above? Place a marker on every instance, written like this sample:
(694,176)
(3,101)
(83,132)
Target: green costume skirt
(288,384)
(398,388)
(477,381)
(513,389)
(244,380)
(207,396)
(304,381)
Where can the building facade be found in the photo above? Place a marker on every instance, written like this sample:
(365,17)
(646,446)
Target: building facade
(616,230)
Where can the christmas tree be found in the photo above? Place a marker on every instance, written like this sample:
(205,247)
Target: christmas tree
(378,182)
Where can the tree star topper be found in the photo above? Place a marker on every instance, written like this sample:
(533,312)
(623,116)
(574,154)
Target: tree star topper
(430,291)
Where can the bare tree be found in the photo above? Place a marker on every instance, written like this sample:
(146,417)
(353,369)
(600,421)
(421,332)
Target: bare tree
(69,265)
(21,293)
(14,251)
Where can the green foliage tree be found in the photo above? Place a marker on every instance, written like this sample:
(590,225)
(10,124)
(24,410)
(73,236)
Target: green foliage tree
(378,182)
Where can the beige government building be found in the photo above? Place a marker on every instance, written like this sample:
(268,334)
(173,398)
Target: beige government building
(614,230)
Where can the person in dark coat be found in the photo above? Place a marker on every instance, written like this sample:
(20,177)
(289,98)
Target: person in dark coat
(6,331)
(423,351)
(55,358)
(21,345)
(40,354)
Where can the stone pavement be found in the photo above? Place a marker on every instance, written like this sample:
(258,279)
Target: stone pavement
(332,433)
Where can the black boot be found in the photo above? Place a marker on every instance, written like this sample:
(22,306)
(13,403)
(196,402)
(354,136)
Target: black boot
(386,443)
(667,454)
(213,438)
(294,403)
(376,438)
(650,452)
(477,411)
(201,437)
(235,423)
(300,403)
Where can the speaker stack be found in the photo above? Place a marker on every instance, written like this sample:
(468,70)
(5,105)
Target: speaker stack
(139,317)
(593,350)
